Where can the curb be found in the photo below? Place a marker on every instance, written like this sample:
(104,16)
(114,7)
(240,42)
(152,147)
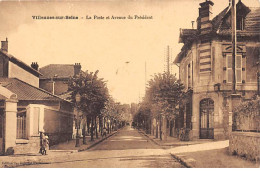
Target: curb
(184,162)
(151,139)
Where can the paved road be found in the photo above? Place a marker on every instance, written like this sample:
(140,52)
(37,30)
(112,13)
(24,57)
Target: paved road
(126,149)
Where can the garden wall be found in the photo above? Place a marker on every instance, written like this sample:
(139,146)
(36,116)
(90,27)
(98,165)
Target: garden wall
(245,144)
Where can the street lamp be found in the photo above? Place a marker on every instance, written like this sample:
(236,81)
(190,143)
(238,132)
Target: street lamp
(77,97)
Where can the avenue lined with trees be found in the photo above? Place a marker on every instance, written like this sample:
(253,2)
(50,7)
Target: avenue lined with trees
(96,109)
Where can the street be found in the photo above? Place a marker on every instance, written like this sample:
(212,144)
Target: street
(126,149)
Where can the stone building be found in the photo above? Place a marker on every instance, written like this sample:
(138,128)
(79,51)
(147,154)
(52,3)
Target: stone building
(205,64)
(26,110)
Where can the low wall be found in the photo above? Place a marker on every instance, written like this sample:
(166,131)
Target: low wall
(245,144)
(58,138)
(24,146)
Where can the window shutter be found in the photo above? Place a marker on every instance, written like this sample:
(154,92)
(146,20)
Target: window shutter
(229,68)
(224,67)
(243,68)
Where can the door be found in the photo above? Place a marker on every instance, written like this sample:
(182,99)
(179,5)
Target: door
(1,131)
(206,119)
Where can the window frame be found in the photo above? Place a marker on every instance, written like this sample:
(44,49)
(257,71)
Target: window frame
(236,68)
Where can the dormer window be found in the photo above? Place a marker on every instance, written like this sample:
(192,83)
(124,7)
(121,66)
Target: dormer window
(240,22)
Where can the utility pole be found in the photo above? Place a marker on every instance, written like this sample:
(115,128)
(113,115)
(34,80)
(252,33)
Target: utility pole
(145,77)
(234,45)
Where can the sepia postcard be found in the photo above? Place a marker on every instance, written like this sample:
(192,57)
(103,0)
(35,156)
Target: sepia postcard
(130,84)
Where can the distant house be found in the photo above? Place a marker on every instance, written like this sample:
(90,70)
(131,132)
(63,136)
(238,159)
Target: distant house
(55,77)
(206,68)
(26,110)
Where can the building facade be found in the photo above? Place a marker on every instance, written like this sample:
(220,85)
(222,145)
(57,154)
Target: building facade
(26,110)
(205,64)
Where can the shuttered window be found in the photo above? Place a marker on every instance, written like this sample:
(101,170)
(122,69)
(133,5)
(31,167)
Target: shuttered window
(238,68)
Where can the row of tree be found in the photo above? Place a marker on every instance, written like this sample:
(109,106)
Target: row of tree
(164,93)
(98,109)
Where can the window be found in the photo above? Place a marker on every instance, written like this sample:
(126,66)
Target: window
(238,68)
(21,125)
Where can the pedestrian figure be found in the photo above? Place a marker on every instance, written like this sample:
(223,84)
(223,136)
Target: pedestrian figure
(45,145)
(104,132)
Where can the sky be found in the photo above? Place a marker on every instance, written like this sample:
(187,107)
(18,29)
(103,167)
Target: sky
(118,48)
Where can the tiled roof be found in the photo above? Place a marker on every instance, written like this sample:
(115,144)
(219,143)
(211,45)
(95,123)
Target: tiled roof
(252,24)
(187,33)
(25,91)
(57,71)
(217,20)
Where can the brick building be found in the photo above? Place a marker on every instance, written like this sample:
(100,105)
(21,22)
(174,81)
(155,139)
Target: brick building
(206,68)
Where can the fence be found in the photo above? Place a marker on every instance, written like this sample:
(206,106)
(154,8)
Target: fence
(21,125)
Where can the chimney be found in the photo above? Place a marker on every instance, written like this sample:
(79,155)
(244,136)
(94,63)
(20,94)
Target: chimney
(205,17)
(77,69)
(35,65)
(4,46)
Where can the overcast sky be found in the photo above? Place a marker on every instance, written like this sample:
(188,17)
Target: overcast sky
(118,48)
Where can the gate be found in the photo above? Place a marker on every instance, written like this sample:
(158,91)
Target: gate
(206,119)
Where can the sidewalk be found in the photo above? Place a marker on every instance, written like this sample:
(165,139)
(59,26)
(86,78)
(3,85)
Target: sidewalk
(56,153)
(203,153)
(173,142)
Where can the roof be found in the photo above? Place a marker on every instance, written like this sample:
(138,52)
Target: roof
(57,71)
(25,91)
(21,63)
(252,26)
(187,33)
(252,23)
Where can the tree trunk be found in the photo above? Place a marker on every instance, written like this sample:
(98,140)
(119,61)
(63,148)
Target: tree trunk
(88,123)
(100,124)
(84,133)
(111,126)
(160,127)
(108,127)
(96,127)
(156,135)
(92,129)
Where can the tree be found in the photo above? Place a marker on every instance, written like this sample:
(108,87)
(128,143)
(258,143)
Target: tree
(94,95)
(112,114)
(165,91)
(163,95)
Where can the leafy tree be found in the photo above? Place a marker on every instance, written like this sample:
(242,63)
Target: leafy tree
(163,95)
(94,95)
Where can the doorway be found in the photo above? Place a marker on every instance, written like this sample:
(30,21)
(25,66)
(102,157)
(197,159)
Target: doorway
(207,119)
